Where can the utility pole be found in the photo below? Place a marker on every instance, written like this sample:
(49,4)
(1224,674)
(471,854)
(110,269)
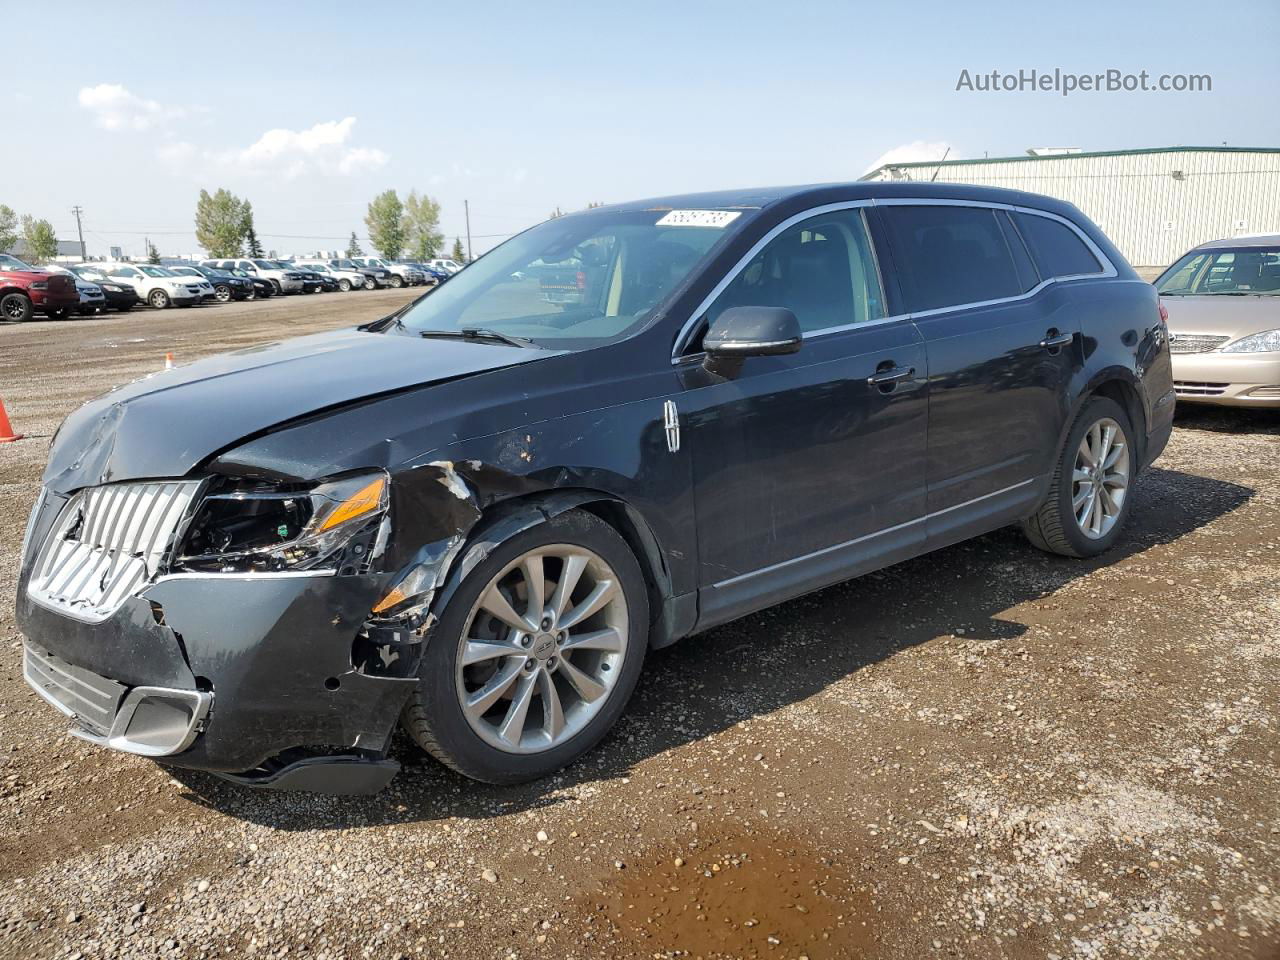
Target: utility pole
(77,210)
(466,205)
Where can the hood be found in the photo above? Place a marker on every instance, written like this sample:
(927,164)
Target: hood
(166,424)
(1222,315)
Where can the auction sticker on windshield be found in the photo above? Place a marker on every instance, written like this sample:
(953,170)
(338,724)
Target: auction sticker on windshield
(699,218)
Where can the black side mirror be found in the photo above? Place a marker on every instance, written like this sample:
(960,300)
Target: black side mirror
(753,332)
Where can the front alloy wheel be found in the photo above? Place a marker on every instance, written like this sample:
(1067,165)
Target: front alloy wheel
(222,293)
(530,680)
(158,299)
(535,654)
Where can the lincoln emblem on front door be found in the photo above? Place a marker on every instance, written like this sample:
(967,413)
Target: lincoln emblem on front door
(671,422)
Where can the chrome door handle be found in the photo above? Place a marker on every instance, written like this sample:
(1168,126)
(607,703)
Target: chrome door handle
(892,375)
(1059,340)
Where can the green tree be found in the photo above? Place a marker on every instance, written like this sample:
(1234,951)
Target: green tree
(220,223)
(252,247)
(353,246)
(41,241)
(385,221)
(422,226)
(8,228)
(153,255)
(458,254)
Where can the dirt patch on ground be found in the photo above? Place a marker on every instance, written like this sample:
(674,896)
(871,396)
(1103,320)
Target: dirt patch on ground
(985,752)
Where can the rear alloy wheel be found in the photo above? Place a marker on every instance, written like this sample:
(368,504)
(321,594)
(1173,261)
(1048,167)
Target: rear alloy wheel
(158,299)
(344,286)
(536,653)
(1089,500)
(15,307)
(222,293)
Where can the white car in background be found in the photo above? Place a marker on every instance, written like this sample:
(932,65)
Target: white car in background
(401,276)
(447,265)
(158,286)
(283,279)
(347,279)
(92,299)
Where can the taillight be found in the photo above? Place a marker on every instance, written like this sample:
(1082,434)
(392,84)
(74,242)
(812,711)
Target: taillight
(1164,314)
(582,280)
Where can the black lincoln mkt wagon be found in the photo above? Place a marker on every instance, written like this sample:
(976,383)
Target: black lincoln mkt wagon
(622,427)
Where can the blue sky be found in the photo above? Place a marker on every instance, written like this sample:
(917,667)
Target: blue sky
(311,109)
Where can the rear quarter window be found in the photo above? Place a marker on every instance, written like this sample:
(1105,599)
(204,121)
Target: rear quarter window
(1057,249)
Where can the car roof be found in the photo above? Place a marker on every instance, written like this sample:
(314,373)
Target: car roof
(1233,243)
(760,197)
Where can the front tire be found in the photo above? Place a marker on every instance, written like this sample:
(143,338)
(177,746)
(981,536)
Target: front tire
(222,293)
(158,299)
(536,654)
(1090,496)
(397,281)
(15,307)
(344,286)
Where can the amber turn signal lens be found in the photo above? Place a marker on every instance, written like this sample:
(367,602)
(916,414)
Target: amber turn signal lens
(365,500)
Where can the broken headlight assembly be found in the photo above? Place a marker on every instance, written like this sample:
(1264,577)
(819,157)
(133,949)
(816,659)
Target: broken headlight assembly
(336,526)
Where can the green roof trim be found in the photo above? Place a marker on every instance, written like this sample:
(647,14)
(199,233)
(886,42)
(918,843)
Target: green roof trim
(1069,156)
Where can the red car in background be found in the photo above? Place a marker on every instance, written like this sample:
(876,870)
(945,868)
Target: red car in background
(25,289)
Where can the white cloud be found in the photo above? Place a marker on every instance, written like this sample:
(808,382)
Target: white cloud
(914,152)
(115,108)
(177,153)
(323,147)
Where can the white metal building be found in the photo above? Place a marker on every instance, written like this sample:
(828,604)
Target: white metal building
(1154,204)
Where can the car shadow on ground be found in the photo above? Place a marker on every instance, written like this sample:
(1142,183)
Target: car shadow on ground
(781,656)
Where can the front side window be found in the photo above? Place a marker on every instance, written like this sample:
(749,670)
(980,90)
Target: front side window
(947,256)
(577,281)
(1057,249)
(1250,270)
(821,269)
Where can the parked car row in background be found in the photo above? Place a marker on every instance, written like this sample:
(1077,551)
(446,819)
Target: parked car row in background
(58,291)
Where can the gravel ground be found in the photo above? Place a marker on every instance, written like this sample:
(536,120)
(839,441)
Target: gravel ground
(985,752)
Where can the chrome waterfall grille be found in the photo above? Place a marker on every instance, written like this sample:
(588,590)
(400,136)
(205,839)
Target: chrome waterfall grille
(107,542)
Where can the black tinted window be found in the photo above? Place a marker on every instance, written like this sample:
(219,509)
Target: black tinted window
(821,270)
(947,256)
(1057,249)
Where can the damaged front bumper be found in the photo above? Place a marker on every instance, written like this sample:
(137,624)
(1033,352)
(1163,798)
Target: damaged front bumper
(243,676)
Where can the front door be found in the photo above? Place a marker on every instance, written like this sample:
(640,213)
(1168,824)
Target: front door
(809,468)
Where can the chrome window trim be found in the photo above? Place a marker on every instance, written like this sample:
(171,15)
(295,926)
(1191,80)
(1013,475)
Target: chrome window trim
(1108,271)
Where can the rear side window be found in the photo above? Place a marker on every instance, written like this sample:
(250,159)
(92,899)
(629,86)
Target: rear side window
(1057,249)
(951,255)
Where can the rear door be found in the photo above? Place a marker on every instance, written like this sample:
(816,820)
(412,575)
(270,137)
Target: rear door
(809,468)
(1002,353)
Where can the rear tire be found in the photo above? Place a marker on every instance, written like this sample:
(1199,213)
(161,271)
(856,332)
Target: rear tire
(1089,502)
(15,307)
(435,716)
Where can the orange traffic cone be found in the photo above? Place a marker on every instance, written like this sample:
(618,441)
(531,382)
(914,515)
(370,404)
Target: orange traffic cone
(168,361)
(6,429)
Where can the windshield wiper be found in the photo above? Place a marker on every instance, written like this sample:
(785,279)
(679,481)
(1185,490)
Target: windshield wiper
(480,335)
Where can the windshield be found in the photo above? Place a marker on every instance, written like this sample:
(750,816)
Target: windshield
(344,264)
(157,272)
(13,263)
(187,271)
(573,282)
(88,273)
(265,265)
(318,268)
(1248,270)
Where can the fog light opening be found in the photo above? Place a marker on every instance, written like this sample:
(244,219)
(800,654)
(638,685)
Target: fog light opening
(333,683)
